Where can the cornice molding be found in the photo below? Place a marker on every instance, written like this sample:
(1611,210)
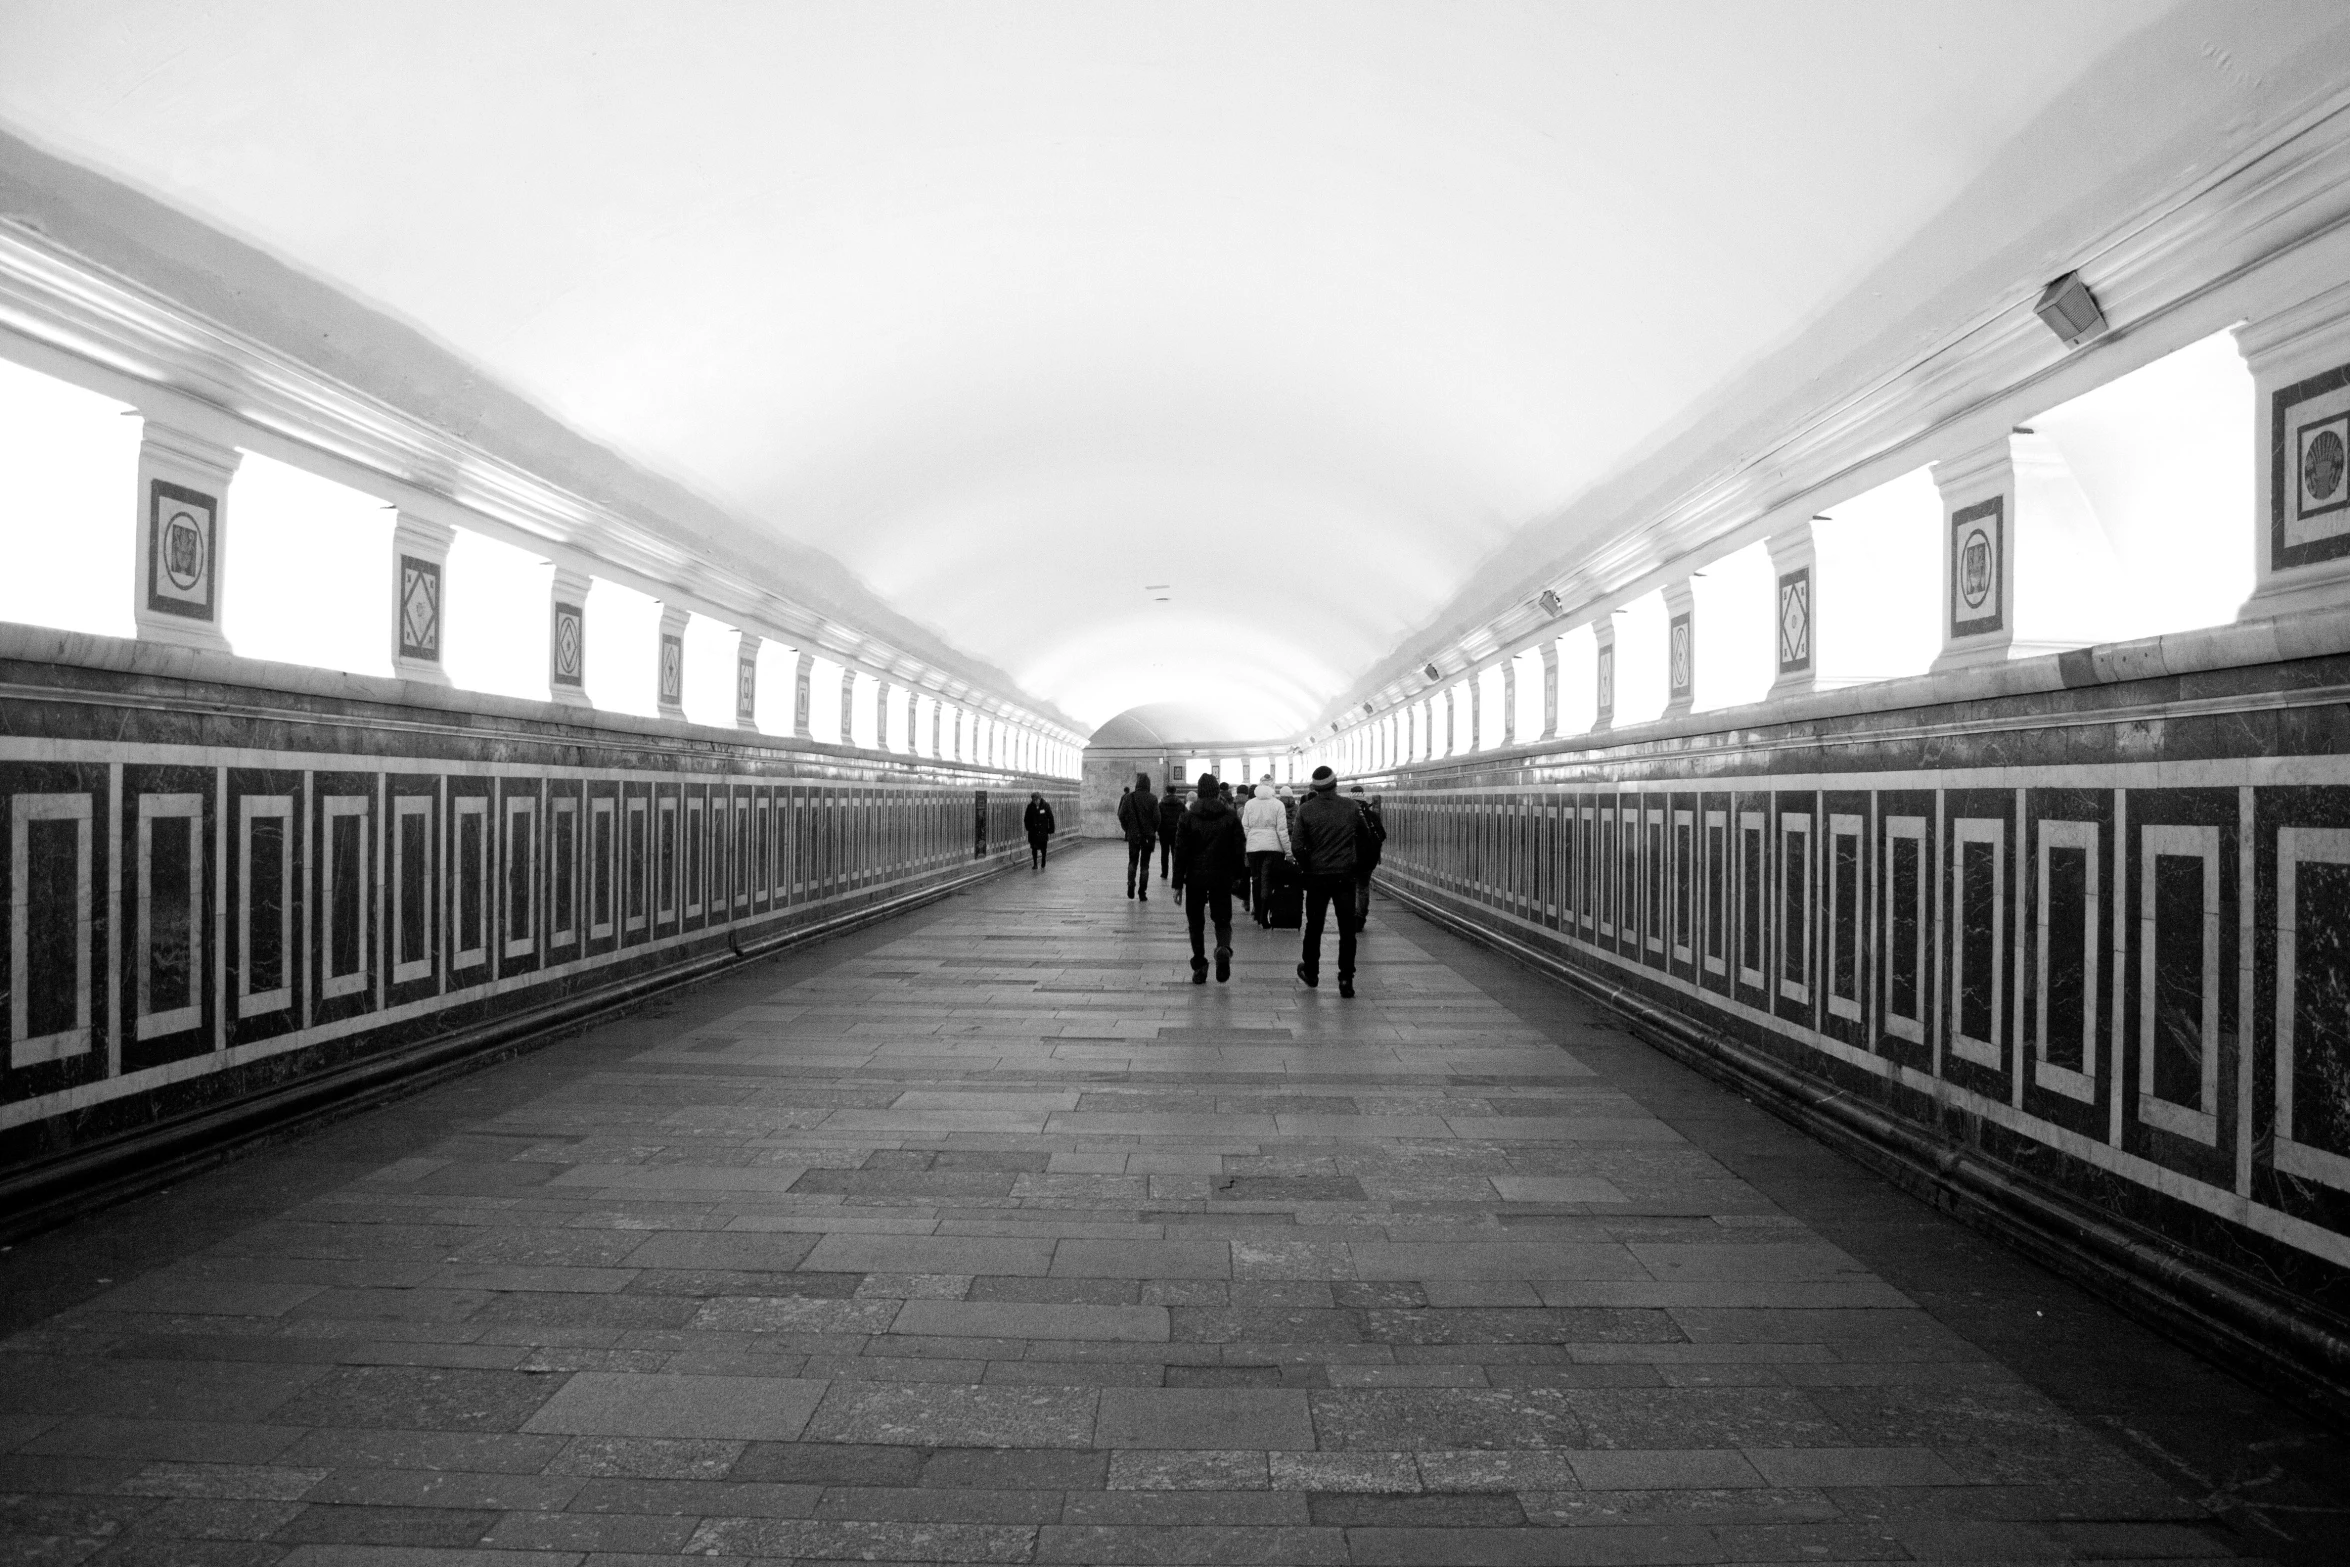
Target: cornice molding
(2244,239)
(217,383)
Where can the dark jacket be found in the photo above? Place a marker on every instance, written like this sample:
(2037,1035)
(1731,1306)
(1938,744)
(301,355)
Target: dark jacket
(1038,819)
(1329,834)
(1210,847)
(1170,813)
(1138,814)
(1374,841)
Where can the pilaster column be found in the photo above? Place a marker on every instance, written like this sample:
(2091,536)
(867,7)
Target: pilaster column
(803,671)
(1550,689)
(958,735)
(1795,556)
(848,706)
(1450,720)
(1978,557)
(1603,633)
(2300,362)
(1680,648)
(567,638)
(2026,567)
(881,690)
(183,537)
(420,595)
(937,722)
(1509,700)
(746,681)
(914,723)
(1476,685)
(669,675)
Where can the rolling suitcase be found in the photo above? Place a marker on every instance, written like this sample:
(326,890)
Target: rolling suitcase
(1287,897)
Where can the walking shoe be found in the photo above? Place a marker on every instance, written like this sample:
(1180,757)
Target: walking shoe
(1145,894)
(1130,892)
(1346,990)
(1223,964)
(1199,976)
(1313,980)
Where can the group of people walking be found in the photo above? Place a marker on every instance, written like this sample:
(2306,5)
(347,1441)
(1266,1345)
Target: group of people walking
(1207,850)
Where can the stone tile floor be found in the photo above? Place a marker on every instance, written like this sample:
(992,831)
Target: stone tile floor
(986,1237)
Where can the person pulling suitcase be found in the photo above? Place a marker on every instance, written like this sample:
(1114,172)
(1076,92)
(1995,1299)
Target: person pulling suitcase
(1267,826)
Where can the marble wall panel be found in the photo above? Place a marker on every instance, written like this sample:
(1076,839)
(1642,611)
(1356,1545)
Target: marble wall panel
(189,922)
(2114,953)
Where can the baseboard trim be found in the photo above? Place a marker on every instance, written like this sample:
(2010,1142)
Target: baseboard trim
(56,1191)
(2220,1315)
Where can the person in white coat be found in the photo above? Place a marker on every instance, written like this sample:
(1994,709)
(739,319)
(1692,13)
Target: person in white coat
(1266,821)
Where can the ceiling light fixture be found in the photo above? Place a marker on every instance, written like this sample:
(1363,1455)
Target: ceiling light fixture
(2070,311)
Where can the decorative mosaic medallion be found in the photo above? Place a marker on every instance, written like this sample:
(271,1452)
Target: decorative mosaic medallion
(672,670)
(1681,674)
(2309,471)
(183,543)
(420,608)
(746,688)
(2324,449)
(1977,534)
(569,653)
(1795,621)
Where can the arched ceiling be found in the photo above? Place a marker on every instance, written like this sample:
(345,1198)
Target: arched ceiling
(1169,725)
(1152,354)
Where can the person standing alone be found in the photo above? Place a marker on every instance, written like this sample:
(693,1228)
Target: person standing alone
(1170,817)
(1038,819)
(1327,839)
(1267,826)
(1209,858)
(1138,814)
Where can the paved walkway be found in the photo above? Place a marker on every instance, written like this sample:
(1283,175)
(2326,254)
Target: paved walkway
(986,1237)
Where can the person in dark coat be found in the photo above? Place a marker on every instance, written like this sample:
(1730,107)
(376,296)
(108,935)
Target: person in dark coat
(1039,821)
(1170,817)
(1138,818)
(1374,844)
(1210,855)
(1328,844)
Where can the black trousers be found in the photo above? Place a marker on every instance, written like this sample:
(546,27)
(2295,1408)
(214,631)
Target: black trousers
(1203,902)
(1036,848)
(1322,892)
(1166,854)
(1138,865)
(1260,885)
(1363,875)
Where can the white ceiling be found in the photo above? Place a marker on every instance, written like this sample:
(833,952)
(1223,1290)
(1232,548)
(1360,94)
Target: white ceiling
(1308,311)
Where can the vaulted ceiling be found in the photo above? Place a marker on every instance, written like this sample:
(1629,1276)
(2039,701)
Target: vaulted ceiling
(1201,354)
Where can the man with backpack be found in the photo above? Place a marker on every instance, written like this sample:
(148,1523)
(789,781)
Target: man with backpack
(1375,839)
(1328,842)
